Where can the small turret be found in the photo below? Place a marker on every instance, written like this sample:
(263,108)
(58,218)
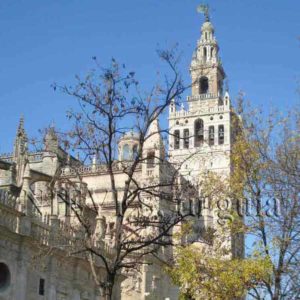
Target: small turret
(172,107)
(154,150)
(128,146)
(227,99)
(51,140)
(154,139)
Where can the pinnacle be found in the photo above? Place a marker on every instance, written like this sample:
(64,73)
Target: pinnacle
(21,130)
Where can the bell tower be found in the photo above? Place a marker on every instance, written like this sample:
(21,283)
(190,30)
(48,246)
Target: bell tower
(200,128)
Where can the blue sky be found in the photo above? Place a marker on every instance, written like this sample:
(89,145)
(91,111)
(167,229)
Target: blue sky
(50,41)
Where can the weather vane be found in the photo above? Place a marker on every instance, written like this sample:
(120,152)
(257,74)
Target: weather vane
(204,9)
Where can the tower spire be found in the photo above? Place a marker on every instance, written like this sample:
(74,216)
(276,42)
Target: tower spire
(206,68)
(21,130)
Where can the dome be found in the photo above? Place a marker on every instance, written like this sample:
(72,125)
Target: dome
(207,26)
(128,146)
(131,135)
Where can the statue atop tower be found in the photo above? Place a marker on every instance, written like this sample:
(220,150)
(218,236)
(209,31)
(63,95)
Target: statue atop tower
(204,9)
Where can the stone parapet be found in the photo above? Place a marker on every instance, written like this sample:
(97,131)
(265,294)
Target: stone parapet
(46,230)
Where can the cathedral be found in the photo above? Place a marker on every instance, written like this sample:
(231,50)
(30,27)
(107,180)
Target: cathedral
(32,264)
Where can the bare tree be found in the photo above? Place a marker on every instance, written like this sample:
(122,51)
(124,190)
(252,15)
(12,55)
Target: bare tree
(266,160)
(146,212)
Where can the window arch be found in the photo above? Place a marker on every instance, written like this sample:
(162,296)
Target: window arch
(126,152)
(135,151)
(150,159)
(198,132)
(205,53)
(221,134)
(203,85)
(186,135)
(4,276)
(211,133)
(176,139)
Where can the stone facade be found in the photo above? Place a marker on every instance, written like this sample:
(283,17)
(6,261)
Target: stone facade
(33,267)
(36,270)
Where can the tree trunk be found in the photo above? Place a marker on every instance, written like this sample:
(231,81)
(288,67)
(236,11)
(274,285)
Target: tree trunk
(110,281)
(108,296)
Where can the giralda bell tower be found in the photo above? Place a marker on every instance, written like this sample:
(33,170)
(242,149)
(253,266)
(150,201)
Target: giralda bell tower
(200,130)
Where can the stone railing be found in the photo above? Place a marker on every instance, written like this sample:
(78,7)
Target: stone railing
(7,157)
(41,231)
(32,157)
(7,199)
(181,113)
(219,108)
(203,96)
(95,169)
(10,217)
(84,170)
(35,157)
(55,232)
(198,110)
(46,230)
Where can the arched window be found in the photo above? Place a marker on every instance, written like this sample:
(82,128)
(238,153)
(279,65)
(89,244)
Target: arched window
(4,276)
(176,139)
(203,85)
(199,132)
(221,134)
(211,51)
(135,151)
(151,159)
(126,152)
(204,53)
(186,140)
(211,137)
(42,287)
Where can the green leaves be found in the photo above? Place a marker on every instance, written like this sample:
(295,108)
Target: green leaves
(204,276)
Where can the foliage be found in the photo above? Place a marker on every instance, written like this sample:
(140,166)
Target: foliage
(264,189)
(266,183)
(201,275)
